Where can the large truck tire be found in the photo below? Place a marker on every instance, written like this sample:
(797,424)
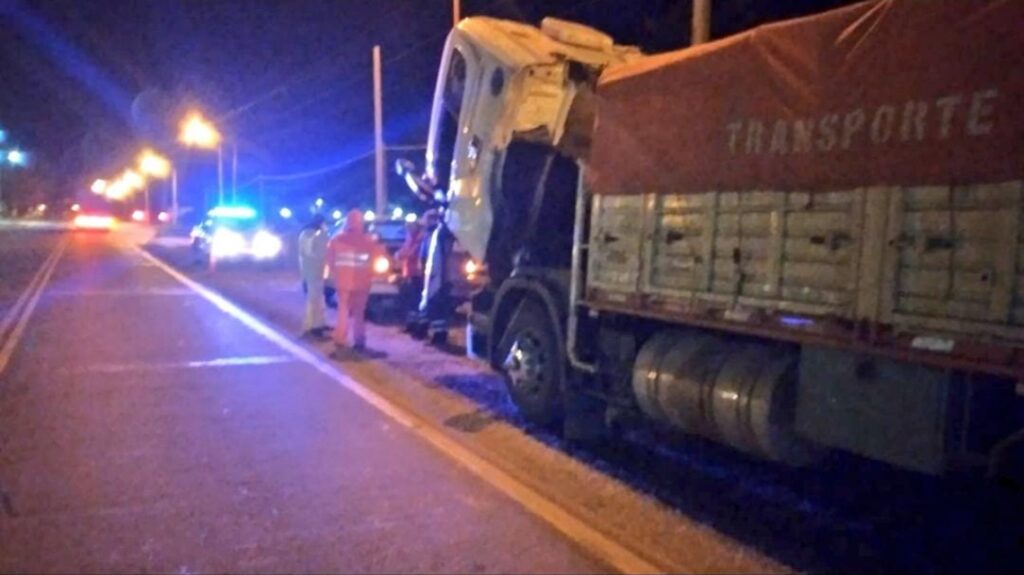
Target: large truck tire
(532,365)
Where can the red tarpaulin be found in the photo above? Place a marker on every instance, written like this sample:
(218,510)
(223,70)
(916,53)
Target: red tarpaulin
(893,92)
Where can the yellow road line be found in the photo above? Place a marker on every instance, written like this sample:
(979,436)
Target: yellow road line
(594,541)
(12,314)
(36,289)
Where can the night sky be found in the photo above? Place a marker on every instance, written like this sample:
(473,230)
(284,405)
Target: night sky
(85,83)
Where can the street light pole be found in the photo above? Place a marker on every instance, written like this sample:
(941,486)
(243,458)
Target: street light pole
(220,174)
(195,131)
(263,198)
(14,158)
(174,195)
(234,172)
(378,130)
(456,12)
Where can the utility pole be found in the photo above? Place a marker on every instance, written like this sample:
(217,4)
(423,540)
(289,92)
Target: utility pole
(700,30)
(378,133)
(174,195)
(234,173)
(263,198)
(220,174)
(456,12)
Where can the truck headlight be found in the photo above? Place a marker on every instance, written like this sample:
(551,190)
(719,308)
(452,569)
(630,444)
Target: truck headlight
(381,265)
(265,245)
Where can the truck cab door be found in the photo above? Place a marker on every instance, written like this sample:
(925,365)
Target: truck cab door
(459,152)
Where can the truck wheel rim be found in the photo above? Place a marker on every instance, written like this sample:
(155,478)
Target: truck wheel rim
(525,364)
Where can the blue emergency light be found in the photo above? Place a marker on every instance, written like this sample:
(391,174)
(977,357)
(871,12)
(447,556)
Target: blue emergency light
(233,212)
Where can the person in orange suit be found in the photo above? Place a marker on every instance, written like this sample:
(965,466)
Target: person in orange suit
(352,254)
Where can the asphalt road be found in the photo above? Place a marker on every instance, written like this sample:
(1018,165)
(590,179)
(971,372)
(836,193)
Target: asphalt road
(142,428)
(847,515)
(148,422)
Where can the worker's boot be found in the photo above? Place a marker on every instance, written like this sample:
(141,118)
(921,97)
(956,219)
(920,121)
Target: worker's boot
(438,330)
(419,328)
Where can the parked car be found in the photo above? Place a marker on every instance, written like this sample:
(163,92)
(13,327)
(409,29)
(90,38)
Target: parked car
(386,292)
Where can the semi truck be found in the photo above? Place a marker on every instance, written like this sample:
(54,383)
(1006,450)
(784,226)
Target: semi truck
(805,237)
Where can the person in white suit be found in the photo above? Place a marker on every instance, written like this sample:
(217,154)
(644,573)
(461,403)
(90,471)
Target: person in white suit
(312,254)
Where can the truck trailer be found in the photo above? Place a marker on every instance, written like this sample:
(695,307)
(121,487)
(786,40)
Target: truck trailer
(801,238)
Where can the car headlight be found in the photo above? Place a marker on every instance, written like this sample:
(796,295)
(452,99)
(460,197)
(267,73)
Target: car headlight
(381,265)
(471,267)
(227,243)
(93,222)
(265,245)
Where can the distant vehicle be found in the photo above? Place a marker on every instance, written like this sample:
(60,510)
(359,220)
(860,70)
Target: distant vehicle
(235,233)
(385,292)
(93,222)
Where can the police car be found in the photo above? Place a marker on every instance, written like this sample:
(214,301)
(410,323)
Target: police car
(234,233)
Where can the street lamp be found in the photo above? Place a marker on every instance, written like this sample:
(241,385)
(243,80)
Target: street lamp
(16,157)
(123,186)
(116,190)
(132,180)
(13,157)
(197,132)
(155,165)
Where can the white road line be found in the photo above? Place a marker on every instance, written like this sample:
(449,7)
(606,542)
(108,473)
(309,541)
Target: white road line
(198,364)
(9,345)
(611,552)
(119,292)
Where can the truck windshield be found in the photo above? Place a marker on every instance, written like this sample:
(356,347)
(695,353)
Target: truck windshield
(454,90)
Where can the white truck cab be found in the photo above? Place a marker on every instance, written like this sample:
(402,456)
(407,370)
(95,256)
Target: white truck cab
(499,81)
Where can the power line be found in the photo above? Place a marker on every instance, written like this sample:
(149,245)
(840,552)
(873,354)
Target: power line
(410,50)
(315,172)
(354,80)
(334,167)
(283,86)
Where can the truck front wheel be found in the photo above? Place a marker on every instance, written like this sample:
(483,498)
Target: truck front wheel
(532,365)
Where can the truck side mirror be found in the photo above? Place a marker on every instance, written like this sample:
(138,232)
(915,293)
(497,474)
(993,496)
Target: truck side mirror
(404,166)
(419,184)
